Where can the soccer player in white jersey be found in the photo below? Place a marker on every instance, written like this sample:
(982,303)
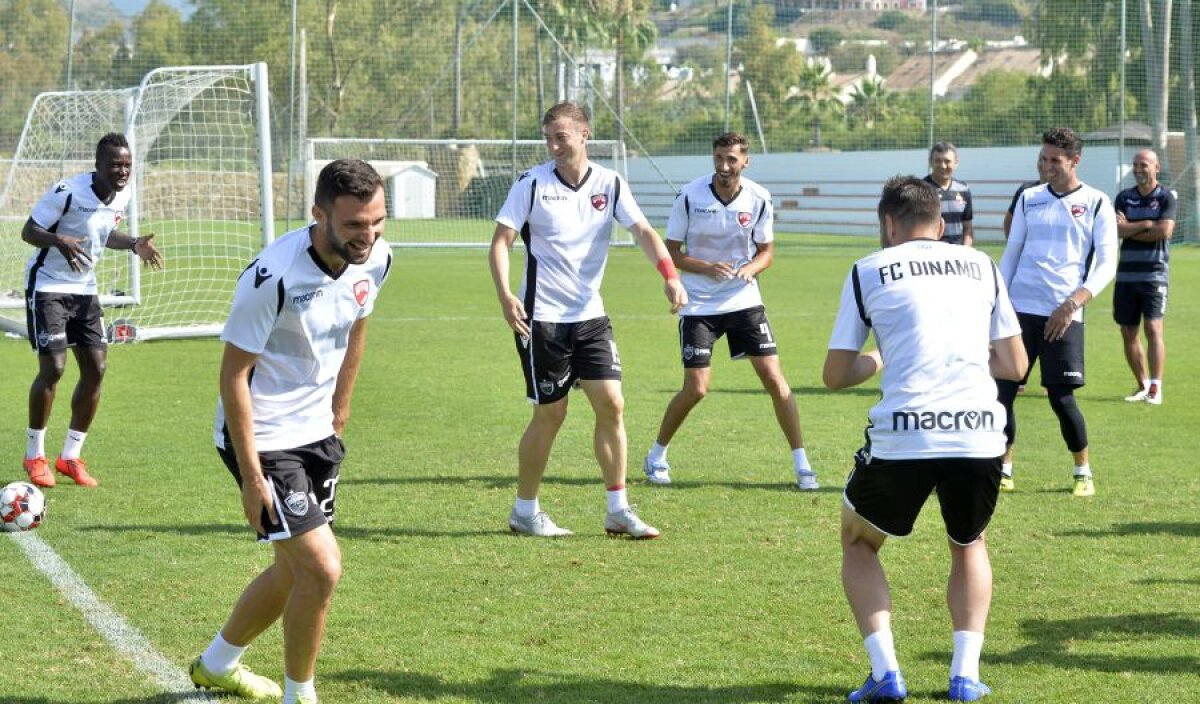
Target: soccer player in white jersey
(564,211)
(294,341)
(935,309)
(726,223)
(71,226)
(1061,252)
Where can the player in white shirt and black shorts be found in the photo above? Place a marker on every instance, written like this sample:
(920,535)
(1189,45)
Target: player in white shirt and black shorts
(944,329)
(721,236)
(294,342)
(564,212)
(1061,252)
(72,225)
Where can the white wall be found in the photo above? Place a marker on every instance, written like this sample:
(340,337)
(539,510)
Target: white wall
(836,192)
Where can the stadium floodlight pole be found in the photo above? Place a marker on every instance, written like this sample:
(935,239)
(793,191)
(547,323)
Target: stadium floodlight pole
(1121,99)
(293,142)
(516,10)
(932,68)
(728,60)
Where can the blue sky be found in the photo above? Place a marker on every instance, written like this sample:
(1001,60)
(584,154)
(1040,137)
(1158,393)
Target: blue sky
(133,7)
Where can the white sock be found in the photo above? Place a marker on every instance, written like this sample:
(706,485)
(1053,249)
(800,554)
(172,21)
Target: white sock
(220,658)
(1156,383)
(657,454)
(527,508)
(293,690)
(35,443)
(73,445)
(617,500)
(882,652)
(1006,469)
(967,646)
(1146,384)
(800,461)
(1083,470)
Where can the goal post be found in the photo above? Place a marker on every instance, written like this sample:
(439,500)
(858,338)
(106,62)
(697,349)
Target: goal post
(201,183)
(446,192)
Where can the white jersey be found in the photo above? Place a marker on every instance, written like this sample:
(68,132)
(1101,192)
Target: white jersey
(1052,244)
(935,307)
(71,208)
(566,232)
(716,231)
(296,316)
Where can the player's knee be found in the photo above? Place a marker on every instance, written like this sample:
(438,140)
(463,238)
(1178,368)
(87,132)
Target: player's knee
(51,369)
(319,575)
(777,386)
(609,409)
(695,391)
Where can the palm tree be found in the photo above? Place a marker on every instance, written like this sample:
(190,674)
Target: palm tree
(628,27)
(816,97)
(870,102)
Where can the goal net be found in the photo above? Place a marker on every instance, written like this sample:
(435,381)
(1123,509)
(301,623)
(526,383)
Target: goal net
(442,192)
(201,185)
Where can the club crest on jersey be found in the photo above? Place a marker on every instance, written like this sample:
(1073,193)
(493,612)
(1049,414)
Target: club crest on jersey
(1153,205)
(1078,209)
(361,289)
(117,218)
(744,219)
(599,201)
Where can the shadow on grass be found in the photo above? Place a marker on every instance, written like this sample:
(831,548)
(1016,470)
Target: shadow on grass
(1167,580)
(1183,529)
(635,480)
(508,685)
(172,698)
(345,532)
(1057,643)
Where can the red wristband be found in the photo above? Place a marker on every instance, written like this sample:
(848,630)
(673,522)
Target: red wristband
(666,267)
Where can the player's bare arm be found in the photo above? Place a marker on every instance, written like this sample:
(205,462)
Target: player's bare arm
(510,305)
(347,375)
(1146,230)
(654,249)
(1008,359)
(846,368)
(763,258)
(684,262)
(968,233)
(69,247)
(142,246)
(236,365)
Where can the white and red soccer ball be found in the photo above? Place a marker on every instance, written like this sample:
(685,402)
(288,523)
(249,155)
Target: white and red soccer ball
(22,507)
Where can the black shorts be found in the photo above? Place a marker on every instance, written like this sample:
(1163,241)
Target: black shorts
(1133,300)
(749,335)
(556,355)
(1062,360)
(56,320)
(303,483)
(889,494)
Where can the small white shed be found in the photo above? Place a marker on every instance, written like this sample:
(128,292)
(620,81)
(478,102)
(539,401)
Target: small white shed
(412,190)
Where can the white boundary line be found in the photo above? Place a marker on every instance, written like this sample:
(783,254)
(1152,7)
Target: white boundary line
(126,639)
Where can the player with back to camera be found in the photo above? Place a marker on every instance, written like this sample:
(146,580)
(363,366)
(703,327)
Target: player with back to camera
(1145,223)
(721,236)
(294,342)
(564,211)
(71,226)
(957,209)
(1061,252)
(944,329)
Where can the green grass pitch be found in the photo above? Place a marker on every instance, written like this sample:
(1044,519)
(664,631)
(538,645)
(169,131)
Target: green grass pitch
(739,602)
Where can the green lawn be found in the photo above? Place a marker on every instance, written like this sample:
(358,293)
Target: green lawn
(740,600)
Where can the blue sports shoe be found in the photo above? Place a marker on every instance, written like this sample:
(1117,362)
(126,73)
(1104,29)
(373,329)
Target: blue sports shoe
(889,689)
(965,689)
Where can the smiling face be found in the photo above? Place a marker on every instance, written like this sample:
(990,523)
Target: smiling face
(942,165)
(351,227)
(113,169)
(1056,166)
(728,165)
(1145,170)
(566,140)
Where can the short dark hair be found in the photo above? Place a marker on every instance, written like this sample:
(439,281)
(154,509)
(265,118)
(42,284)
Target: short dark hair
(570,110)
(942,148)
(346,177)
(112,140)
(911,202)
(732,139)
(1065,139)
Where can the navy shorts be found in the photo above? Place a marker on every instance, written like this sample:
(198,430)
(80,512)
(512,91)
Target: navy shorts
(303,484)
(556,355)
(889,494)
(748,332)
(1134,300)
(58,320)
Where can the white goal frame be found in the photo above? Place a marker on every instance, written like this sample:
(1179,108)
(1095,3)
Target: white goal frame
(155,118)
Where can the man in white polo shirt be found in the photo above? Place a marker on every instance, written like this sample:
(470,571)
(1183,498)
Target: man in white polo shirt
(721,236)
(943,328)
(293,344)
(564,212)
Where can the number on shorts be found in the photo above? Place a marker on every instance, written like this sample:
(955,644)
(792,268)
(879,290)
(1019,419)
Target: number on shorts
(766,330)
(327,504)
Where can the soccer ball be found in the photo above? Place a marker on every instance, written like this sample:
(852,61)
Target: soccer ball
(22,507)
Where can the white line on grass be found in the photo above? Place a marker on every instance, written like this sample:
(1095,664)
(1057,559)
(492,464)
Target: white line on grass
(127,640)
